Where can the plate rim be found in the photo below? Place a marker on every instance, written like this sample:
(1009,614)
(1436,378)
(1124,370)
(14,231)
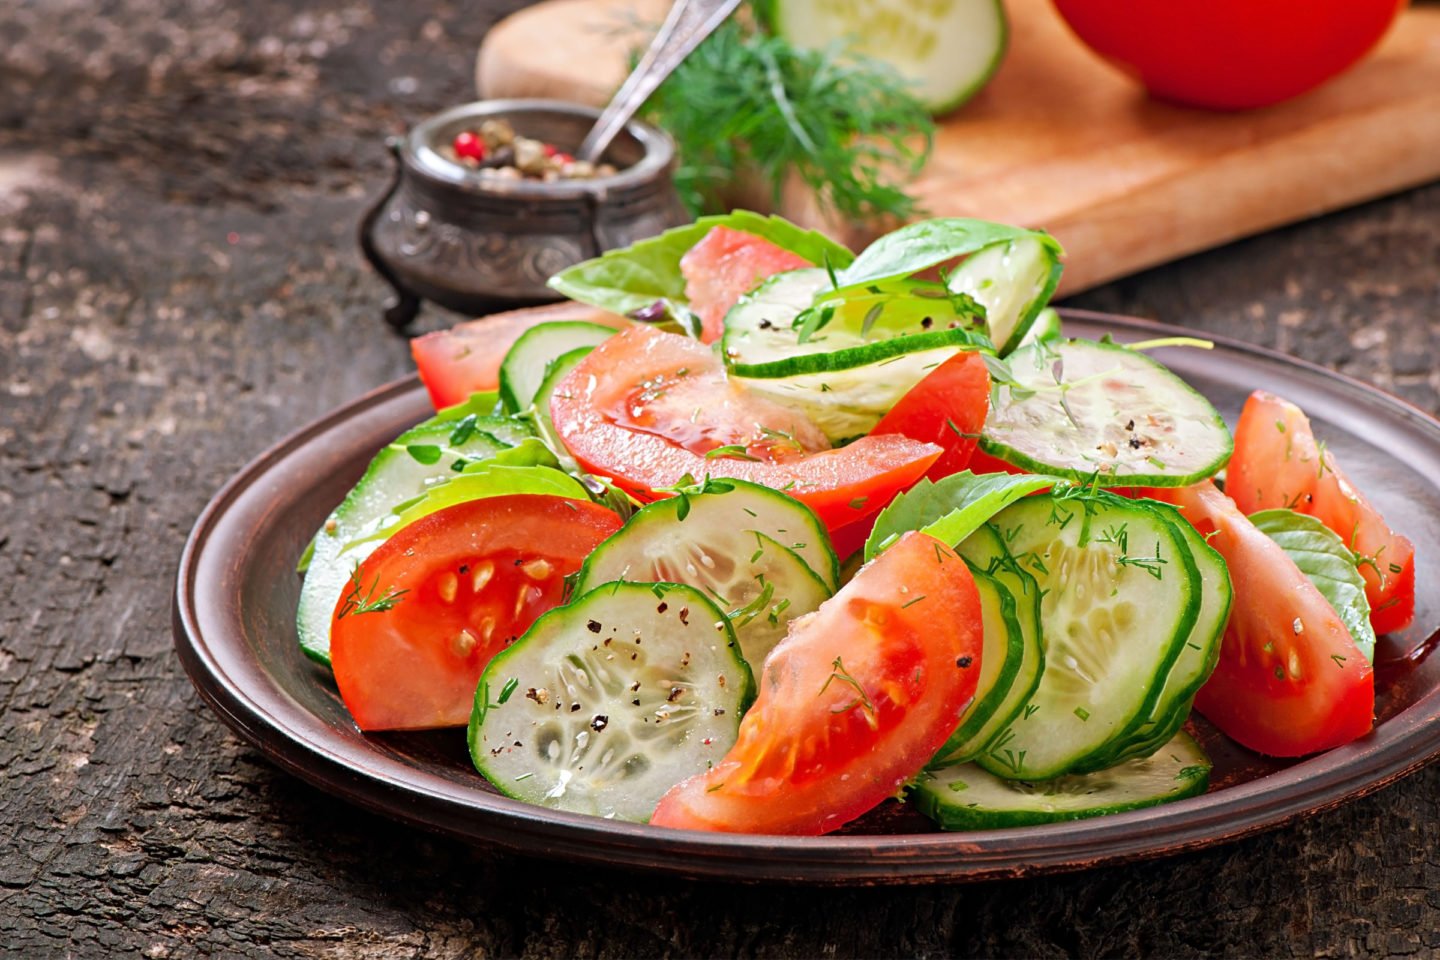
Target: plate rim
(388,786)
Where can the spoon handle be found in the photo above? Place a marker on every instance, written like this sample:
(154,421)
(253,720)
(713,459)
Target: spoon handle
(688,23)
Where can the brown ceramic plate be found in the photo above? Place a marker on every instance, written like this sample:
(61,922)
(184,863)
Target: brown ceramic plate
(236,593)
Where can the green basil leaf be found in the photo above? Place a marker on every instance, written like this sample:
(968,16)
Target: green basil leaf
(478,481)
(951,508)
(1323,557)
(426,453)
(482,404)
(648,272)
(920,246)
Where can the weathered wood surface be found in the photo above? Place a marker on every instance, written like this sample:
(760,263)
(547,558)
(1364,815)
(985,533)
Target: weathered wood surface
(179,288)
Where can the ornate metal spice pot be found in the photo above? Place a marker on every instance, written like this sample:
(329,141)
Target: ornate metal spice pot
(443,232)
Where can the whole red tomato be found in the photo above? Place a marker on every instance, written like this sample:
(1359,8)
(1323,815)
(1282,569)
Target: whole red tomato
(1230,54)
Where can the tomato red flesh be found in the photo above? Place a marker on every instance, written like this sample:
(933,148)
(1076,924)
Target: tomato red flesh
(724,266)
(618,414)
(466,358)
(947,408)
(1230,54)
(465,581)
(852,703)
(1290,680)
(1278,463)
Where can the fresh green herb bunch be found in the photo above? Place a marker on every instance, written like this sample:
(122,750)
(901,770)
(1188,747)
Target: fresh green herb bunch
(847,126)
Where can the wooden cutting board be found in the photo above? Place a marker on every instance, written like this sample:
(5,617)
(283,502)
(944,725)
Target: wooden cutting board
(1061,141)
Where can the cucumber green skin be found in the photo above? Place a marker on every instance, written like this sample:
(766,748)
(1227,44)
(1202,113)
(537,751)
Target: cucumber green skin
(982,708)
(1003,451)
(848,358)
(568,333)
(1172,712)
(315,642)
(1098,756)
(985,548)
(930,798)
(1040,317)
(768,15)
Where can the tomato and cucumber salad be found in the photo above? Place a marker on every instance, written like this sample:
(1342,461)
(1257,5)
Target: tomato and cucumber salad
(614,554)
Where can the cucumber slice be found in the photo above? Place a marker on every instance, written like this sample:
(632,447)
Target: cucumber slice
(1078,408)
(865,327)
(394,476)
(729,545)
(555,371)
(1119,598)
(966,797)
(1013,281)
(846,404)
(1000,661)
(605,704)
(948,51)
(524,367)
(985,549)
(1046,326)
(1197,658)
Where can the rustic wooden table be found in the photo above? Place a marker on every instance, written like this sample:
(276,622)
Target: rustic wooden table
(179,287)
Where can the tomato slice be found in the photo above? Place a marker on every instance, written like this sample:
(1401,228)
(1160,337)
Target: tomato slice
(852,703)
(724,266)
(1277,463)
(466,358)
(946,408)
(431,606)
(1289,680)
(645,408)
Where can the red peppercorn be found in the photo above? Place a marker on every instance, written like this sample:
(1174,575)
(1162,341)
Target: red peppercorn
(467,144)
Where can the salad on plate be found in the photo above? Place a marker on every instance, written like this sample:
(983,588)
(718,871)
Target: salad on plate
(758,533)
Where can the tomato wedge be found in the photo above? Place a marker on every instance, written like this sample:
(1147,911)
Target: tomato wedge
(947,408)
(429,608)
(1289,680)
(647,408)
(466,358)
(1278,463)
(724,266)
(852,703)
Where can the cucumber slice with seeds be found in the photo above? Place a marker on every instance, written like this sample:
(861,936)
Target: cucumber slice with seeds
(727,544)
(1013,281)
(985,549)
(605,704)
(394,476)
(846,404)
(1197,659)
(1003,652)
(947,51)
(1078,408)
(866,326)
(525,365)
(1119,597)
(966,797)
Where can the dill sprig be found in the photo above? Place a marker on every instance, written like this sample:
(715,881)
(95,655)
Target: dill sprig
(746,101)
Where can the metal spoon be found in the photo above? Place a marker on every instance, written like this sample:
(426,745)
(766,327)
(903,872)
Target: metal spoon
(688,23)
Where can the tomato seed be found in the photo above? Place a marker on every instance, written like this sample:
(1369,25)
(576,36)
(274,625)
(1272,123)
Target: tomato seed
(464,643)
(483,573)
(448,587)
(538,569)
